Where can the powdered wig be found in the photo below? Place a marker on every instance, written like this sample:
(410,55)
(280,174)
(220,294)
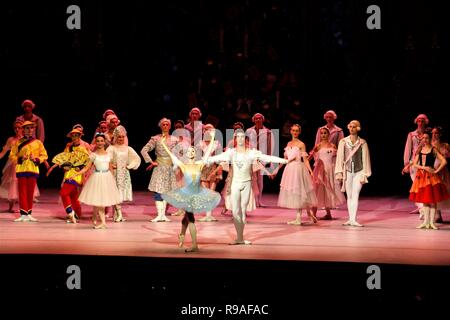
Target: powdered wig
(330,112)
(107,113)
(356,123)
(258,114)
(112,116)
(422,116)
(195,109)
(164,120)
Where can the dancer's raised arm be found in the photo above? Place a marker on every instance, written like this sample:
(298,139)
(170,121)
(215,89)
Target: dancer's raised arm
(174,159)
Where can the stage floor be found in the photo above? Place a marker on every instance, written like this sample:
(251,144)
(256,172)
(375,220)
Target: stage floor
(389,235)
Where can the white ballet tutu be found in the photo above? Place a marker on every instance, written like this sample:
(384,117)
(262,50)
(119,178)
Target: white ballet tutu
(100,190)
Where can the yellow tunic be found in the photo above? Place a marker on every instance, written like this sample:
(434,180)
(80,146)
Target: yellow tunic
(76,157)
(34,152)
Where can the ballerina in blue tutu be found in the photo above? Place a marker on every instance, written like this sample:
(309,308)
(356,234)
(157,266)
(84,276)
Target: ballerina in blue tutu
(192,197)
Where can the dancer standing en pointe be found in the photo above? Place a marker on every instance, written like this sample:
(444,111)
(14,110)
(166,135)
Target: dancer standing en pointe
(192,197)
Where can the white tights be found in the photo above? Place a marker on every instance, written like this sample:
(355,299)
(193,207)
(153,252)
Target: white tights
(353,186)
(240,196)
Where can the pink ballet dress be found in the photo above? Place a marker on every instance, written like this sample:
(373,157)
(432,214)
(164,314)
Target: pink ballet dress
(296,187)
(327,188)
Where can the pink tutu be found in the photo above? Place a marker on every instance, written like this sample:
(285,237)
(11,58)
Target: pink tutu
(296,187)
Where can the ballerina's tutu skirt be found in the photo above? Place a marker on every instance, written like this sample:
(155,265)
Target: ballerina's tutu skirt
(428,188)
(100,190)
(195,202)
(296,187)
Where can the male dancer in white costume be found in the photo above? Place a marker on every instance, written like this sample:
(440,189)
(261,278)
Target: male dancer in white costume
(241,158)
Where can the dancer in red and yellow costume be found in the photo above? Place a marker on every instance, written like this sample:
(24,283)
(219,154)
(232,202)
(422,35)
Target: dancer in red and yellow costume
(74,158)
(28,153)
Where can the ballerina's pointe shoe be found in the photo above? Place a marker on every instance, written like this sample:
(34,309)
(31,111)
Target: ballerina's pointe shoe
(191,249)
(347,223)
(356,224)
(100,226)
(242,242)
(432,226)
(423,226)
(208,219)
(119,218)
(295,222)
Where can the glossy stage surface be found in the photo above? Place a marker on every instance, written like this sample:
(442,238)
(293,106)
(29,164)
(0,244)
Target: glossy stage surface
(389,235)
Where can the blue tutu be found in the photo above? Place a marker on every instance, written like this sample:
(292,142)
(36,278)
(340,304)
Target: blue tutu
(192,197)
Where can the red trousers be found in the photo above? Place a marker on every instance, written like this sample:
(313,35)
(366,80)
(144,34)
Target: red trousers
(69,197)
(26,192)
